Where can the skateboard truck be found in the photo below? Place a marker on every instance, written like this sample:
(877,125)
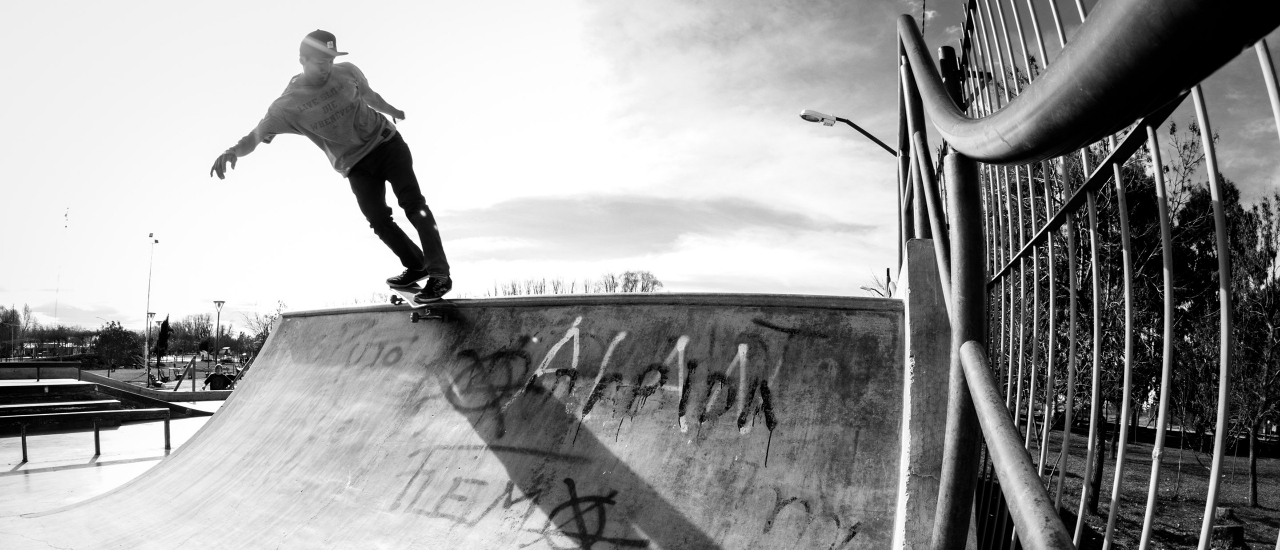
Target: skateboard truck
(420,311)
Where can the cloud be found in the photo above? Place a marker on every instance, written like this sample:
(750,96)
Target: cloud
(610,227)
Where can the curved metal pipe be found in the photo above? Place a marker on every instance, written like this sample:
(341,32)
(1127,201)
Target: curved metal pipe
(1166,361)
(1089,91)
(1037,522)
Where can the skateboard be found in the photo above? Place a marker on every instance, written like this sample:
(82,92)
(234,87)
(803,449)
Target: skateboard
(433,310)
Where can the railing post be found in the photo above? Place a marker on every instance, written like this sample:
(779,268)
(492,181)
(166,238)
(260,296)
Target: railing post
(23,429)
(968,322)
(97,443)
(951,77)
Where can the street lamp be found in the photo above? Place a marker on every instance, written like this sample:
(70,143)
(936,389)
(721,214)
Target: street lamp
(828,120)
(146,354)
(218,342)
(146,358)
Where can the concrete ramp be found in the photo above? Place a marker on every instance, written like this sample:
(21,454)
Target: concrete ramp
(663,421)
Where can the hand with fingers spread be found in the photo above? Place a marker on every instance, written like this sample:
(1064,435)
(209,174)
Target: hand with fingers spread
(220,165)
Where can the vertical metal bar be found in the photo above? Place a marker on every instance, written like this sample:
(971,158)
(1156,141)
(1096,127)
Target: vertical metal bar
(1050,382)
(1010,247)
(1073,318)
(1269,75)
(1035,311)
(919,220)
(1166,371)
(904,172)
(166,430)
(1004,80)
(1126,254)
(1096,383)
(1057,24)
(1022,37)
(97,443)
(22,428)
(915,121)
(1224,301)
(968,279)
(1035,25)
(986,56)
(937,223)
(1022,296)
(1081,10)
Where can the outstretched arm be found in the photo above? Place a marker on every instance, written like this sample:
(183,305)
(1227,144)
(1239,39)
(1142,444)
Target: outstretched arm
(263,133)
(374,99)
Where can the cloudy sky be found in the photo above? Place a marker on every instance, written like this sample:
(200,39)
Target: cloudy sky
(558,138)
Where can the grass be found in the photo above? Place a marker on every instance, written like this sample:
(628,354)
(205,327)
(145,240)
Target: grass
(1180,498)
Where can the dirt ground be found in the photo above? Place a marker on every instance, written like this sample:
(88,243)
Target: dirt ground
(1181,495)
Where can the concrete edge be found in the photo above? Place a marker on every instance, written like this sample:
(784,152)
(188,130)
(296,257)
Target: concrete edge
(925,379)
(171,398)
(847,303)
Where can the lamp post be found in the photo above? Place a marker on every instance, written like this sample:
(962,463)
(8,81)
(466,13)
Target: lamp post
(828,120)
(146,354)
(217,346)
(146,357)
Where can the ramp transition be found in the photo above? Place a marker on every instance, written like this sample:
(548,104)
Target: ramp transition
(661,421)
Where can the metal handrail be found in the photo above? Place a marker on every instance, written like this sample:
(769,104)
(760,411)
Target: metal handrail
(1090,92)
(1037,520)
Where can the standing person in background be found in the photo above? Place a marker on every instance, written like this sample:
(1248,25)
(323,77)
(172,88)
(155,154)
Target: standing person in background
(333,106)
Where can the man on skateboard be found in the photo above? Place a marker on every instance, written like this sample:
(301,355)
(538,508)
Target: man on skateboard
(333,106)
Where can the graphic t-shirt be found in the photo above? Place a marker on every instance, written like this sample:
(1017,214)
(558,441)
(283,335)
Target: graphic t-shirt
(334,116)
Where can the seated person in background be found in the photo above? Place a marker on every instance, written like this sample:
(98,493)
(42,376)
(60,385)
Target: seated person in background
(217,380)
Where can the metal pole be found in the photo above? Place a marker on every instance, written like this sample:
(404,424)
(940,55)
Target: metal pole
(1166,375)
(1037,521)
(146,342)
(218,341)
(1224,301)
(1095,397)
(1269,76)
(968,322)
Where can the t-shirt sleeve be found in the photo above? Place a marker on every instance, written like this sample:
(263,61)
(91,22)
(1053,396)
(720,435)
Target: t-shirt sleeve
(267,128)
(362,82)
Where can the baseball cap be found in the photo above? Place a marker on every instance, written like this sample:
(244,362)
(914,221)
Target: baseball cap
(320,42)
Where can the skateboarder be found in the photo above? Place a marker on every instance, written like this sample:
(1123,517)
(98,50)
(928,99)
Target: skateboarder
(217,380)
(333,106)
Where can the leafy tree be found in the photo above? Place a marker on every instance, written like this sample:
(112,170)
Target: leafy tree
(630,281)
(117,346)
(189,331)
(11,331)
(260,325)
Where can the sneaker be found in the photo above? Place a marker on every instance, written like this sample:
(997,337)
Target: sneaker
(409,278)
(434,289)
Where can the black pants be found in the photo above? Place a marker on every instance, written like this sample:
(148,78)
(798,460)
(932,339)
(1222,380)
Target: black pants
(392,162)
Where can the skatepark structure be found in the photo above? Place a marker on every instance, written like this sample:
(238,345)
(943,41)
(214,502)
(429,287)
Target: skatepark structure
(940,418)
(648,421)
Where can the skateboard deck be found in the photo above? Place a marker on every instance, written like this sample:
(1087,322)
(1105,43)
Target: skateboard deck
(433,310)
